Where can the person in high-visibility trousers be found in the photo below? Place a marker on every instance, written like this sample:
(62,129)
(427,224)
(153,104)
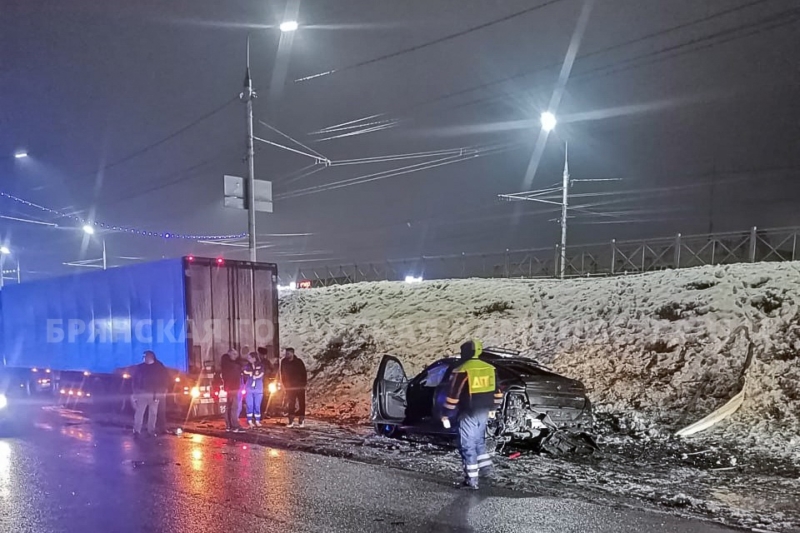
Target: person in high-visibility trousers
(254,388)
(473,397)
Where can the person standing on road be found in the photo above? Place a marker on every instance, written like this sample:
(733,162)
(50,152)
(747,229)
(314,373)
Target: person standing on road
(295,379)
(473,396)
(148,380)
(270,363)
(166,386)
(231,371)
(254,388)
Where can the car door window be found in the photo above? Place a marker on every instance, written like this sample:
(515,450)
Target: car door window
(435,375)
(394,372)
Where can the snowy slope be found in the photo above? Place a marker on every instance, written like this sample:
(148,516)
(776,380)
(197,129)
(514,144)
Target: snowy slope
(653,349)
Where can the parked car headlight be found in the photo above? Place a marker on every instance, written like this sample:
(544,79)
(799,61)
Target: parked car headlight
(3,401)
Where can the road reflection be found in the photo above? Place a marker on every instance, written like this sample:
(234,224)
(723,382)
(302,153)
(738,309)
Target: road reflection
(77,434)
(197,460)
(227,471)
(5,469)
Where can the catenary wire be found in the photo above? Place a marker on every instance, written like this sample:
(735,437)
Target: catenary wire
(625,44)
(434,42)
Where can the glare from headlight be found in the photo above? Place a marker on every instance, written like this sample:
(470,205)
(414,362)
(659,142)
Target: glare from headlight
(3,401)
(272,387)
(195,392)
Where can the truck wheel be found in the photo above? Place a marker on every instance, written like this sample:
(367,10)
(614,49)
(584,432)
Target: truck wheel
(387,430)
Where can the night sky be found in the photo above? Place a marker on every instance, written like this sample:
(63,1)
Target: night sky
(129,113)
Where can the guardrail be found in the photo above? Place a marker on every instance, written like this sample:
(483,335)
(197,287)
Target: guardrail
(606,259)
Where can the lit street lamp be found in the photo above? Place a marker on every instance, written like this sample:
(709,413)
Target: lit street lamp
(548,121)
(548,124)
(89,230)
(22,154)
(289,26)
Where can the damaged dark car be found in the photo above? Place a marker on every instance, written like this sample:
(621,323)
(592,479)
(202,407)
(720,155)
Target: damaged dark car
(540,407)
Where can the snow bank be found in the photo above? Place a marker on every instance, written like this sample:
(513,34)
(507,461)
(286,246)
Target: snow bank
(654,350)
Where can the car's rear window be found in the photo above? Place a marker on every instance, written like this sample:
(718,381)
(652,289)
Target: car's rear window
(519,369)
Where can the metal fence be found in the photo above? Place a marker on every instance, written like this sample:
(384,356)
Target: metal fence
(608,259)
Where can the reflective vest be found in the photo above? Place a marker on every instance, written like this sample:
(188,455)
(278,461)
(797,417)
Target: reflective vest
(480,376)
(473,387)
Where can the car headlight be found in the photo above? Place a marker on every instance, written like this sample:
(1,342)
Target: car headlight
(195,392)
(3,401)
(272,388)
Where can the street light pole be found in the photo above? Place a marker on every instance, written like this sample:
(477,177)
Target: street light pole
(549,123)
(564,205)
(247,96)
(88,229)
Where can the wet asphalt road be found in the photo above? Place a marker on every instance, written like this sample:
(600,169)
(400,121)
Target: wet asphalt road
(66,475)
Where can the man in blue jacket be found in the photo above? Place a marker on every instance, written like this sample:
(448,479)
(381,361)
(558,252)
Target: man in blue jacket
(254,388)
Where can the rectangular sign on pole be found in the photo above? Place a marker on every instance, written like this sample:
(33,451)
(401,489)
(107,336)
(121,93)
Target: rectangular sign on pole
(235,194)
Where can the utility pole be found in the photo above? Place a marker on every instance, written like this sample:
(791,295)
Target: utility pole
(564,205)
(711,200)
(247,96)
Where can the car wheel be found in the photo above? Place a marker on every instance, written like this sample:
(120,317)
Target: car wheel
(387,430)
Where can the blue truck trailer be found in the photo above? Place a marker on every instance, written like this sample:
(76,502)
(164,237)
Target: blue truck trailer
(68,331)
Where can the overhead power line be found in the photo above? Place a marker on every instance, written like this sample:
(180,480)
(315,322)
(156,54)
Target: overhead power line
(169,137)
(434,42)
(783,18)
(290,149)
(178,177)
(363,129)
(774,21)
(28,221)
(319,166)
(426,165)
(400,157)
(285,136)
(556,65)
(316,167)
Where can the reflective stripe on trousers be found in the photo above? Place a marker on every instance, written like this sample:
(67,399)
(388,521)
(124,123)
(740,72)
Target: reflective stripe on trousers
(472,445)
(253,404)
(484,461)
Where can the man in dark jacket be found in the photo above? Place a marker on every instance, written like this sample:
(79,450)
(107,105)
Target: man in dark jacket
(148,382)
(166,386)
(294,378)
(231,372)
(271,365)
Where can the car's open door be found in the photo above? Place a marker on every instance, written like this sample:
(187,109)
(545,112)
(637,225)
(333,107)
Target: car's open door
(389,392)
